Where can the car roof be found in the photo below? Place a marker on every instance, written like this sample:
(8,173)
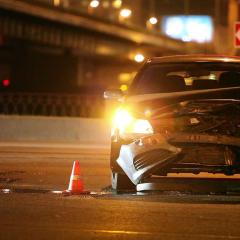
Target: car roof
(194,58)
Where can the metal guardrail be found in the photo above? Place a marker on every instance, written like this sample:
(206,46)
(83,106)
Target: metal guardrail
(52,104)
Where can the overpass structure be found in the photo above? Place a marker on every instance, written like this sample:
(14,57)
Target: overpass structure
(48,49)
(46,24)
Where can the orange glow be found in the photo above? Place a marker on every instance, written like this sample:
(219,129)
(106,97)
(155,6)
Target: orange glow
(125,13)
(94,3)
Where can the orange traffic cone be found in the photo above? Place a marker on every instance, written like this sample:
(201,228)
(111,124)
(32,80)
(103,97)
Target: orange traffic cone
(75,183)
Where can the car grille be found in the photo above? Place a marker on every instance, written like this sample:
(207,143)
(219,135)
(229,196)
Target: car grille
(148,158)
(207,154)
(201,154)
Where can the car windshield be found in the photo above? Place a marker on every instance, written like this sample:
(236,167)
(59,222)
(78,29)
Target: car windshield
(177,77)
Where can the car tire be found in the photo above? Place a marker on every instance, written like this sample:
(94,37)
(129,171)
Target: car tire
(114,154)
(121,182)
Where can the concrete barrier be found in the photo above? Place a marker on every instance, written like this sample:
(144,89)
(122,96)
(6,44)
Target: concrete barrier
(54,130)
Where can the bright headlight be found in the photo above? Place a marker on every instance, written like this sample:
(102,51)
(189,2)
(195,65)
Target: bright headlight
(126,123)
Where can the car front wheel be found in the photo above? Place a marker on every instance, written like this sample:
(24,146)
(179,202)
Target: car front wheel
(121,182)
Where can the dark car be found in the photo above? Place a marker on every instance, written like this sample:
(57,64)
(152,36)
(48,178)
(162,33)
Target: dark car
(181,115)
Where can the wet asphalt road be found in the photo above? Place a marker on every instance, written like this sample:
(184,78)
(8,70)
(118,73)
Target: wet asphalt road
(31,214)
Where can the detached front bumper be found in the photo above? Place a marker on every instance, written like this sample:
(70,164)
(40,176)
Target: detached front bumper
(145,156)
(195,153)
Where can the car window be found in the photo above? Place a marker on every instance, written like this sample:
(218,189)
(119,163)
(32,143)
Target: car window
(173,77)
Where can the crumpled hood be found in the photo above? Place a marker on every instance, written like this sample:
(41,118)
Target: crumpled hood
(182,130)
(140,104)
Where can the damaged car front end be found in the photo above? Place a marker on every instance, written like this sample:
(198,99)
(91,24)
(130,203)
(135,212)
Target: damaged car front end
(176,132)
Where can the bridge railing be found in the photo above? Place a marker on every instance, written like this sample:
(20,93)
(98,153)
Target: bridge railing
(52,104)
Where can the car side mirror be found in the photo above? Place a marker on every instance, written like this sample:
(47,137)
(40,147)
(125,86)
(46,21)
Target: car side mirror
(115,94)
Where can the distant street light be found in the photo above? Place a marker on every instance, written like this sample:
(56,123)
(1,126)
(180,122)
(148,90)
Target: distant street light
(94,3)
(139,58)
(105,4)
(117,3)
(56,2)
(151,23)
(125,13)
(153,20)
(124,87)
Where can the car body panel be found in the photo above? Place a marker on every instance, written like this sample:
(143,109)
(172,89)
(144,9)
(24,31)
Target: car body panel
(195,131)
(159,154)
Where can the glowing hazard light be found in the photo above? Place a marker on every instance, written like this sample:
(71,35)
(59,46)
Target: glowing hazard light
(6,82)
